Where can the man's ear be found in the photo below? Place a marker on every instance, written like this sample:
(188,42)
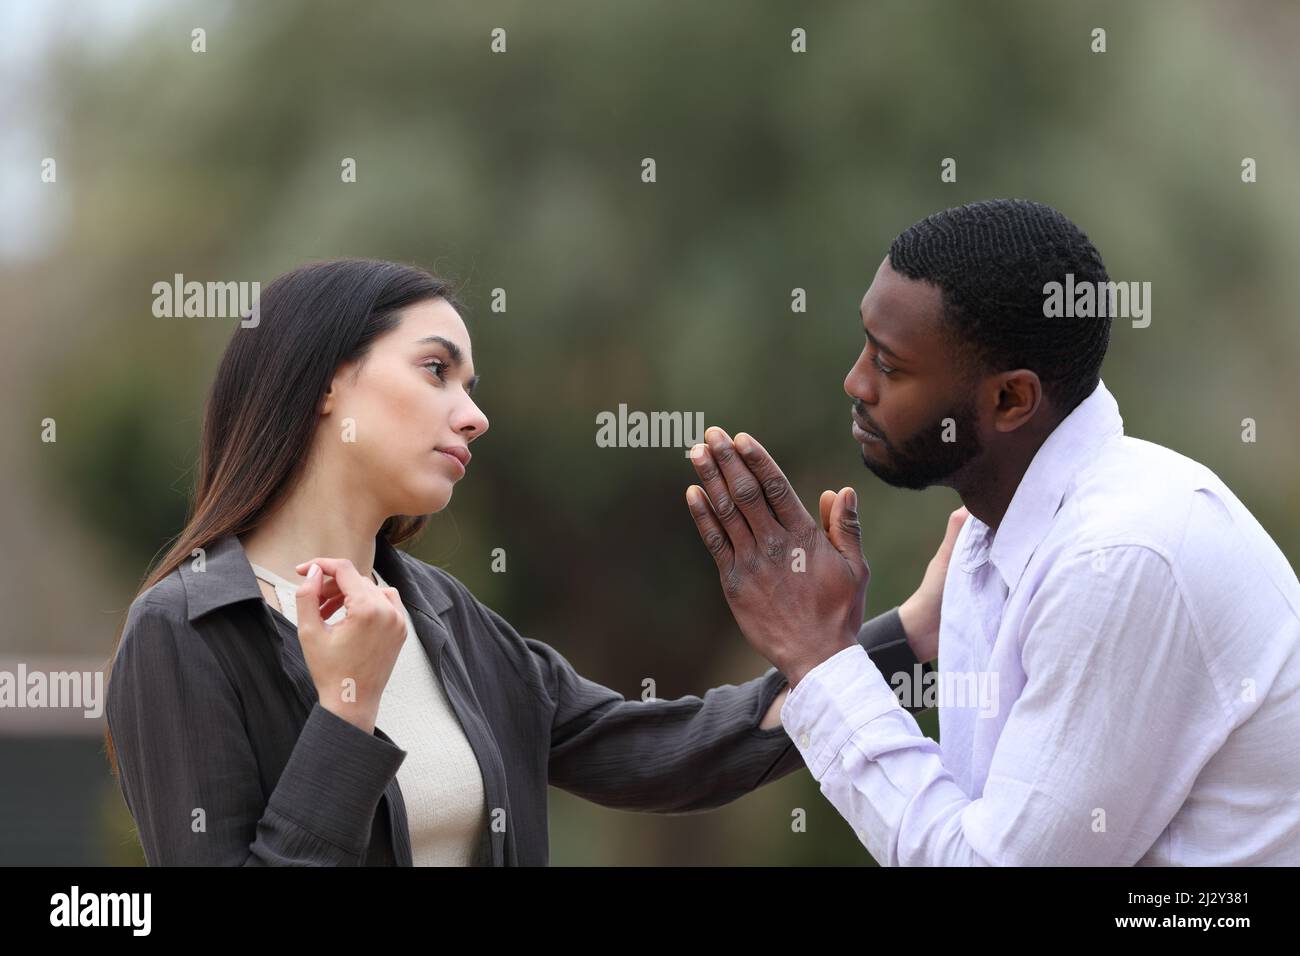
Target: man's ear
(1019,399)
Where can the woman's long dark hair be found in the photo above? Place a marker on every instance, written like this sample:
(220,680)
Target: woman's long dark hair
(264,405)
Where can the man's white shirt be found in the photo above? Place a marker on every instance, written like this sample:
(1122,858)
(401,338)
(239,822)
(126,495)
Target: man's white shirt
(1118,679)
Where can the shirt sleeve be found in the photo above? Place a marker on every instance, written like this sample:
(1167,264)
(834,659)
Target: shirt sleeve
(885,642)
(1117,716)
(191,781)
(682,755)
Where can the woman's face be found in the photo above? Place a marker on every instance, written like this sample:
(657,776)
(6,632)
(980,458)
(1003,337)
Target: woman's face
(396,431)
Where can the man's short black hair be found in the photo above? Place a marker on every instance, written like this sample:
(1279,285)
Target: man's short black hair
(991,260)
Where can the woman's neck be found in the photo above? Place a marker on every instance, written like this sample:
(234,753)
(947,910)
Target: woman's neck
(310,526)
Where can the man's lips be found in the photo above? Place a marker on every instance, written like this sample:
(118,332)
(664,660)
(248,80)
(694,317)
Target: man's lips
(862,434)
(458,452)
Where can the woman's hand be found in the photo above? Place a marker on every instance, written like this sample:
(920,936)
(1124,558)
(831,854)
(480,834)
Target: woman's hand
(350,662)
(920,612)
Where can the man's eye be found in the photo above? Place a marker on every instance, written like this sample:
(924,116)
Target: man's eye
(438,368)
(881,365)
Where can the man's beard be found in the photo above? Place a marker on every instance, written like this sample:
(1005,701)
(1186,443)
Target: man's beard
(925,459)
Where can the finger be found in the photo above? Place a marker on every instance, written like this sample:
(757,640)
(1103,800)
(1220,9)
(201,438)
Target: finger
(780,496)
(827,499)
(955,521)
(329,587)
(724,508)
(394,599)
(715,539)
(344,574)
(329,607)
(743,487)
(307,598)
(846,530)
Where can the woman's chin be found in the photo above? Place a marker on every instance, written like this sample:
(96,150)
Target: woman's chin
(434,500)
(423,501)
(421,488)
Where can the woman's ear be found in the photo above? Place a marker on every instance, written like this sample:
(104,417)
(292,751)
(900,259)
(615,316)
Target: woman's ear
(332,393)
(331,396)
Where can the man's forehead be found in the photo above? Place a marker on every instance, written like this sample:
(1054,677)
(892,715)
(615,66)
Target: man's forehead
(899,309)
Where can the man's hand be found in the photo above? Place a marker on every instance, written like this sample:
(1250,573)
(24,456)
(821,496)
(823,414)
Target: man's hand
(797,593)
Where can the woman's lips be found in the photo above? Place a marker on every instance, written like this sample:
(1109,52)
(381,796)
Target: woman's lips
(460,455)
(862,435)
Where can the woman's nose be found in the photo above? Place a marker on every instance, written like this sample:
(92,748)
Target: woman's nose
(470,420)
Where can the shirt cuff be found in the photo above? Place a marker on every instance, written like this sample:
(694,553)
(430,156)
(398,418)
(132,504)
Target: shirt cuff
(334,779)
(832,702)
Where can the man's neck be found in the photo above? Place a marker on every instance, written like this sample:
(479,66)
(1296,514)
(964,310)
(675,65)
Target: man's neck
(988,489)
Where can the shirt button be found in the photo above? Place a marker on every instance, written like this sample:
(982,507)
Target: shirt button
(803,740)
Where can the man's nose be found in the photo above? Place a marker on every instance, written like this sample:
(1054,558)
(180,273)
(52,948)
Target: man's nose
(858,385)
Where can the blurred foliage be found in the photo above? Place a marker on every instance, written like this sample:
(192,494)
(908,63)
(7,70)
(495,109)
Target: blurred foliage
(775,170)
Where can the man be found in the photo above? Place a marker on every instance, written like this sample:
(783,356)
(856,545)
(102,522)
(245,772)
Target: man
(1119,642)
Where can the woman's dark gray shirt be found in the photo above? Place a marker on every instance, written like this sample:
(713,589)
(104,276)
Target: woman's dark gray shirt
(227,758)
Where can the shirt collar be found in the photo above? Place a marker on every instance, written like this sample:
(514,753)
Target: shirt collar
(227,578)
(1042,489)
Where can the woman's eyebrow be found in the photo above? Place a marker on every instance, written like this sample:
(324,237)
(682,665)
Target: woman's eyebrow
(454,353)
(452,348)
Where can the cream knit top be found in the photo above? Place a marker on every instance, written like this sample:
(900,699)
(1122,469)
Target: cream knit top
(440,780)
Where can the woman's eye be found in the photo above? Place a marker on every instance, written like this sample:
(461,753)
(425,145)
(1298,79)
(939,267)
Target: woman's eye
(438,368)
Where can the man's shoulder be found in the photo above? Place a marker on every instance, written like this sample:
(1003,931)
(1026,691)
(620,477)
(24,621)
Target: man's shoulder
(1135,492)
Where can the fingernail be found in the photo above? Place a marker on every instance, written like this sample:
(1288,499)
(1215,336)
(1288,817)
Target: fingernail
(714,436)
(699,452)
(853,499)
(744,444)
(313,570)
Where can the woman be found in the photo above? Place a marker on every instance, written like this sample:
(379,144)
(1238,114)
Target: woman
(284,629)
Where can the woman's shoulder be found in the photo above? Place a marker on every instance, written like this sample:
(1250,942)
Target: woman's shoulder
(437,584)
(151,644)
(163,602)
(443,591)
(485,634)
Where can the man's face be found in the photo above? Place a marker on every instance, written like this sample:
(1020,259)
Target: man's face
(913,392)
